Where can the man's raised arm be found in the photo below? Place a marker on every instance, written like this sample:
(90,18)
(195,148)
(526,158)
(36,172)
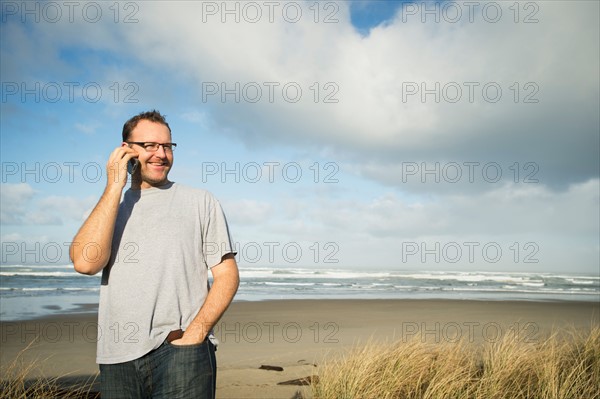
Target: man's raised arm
(91,247)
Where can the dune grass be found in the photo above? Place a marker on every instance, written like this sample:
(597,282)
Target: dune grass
(21,380)
(565,365)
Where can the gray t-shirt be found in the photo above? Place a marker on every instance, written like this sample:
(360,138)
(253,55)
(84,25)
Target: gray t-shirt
(156,280)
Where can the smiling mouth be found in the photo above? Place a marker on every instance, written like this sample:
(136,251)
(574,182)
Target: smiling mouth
(157,164)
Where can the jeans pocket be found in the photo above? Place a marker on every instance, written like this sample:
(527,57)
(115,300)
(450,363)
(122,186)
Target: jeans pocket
(187,371)
(190,346)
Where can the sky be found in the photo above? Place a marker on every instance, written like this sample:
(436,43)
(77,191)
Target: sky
(446,136)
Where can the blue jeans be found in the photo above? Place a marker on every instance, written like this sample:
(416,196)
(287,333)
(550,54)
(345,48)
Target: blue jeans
(169,371)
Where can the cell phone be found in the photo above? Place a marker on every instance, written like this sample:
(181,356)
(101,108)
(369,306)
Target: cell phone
(132,165)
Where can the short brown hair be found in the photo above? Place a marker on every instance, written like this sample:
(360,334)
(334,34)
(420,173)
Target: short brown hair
(153,116)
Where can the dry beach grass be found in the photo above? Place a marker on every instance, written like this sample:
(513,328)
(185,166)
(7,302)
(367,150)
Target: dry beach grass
(560,366)
(24,379)
(361,349)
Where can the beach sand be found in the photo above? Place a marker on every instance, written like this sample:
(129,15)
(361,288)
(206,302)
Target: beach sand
(298,335)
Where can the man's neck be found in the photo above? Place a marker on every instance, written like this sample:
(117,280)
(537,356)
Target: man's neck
(140,185)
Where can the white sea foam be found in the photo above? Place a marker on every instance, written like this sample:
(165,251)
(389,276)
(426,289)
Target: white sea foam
(40,274)
(36,267)
(51,284)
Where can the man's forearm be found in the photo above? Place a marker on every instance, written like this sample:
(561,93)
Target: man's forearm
(220,295)
(91,247)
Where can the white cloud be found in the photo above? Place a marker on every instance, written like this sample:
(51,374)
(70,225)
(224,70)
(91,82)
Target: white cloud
(371,124)
(64,208)
(87,128)
(372,132)
(21,206)
(372,121)
(247,212)
(194,117)
(11,237)
(13,198)
(557,229)
(507,210)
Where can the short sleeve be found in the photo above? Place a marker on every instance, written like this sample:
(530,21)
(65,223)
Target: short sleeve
(217,241)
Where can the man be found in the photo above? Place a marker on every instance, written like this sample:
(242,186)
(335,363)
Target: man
(155,247)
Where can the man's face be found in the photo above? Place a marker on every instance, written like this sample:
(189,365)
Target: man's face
(153,166)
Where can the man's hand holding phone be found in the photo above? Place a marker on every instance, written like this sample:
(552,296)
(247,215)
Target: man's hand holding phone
(121,161)
(132,165)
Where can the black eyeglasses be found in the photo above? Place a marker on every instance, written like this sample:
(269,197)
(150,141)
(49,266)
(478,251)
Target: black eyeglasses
(153,147)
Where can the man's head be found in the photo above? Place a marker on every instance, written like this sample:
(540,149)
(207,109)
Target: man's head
(154,164)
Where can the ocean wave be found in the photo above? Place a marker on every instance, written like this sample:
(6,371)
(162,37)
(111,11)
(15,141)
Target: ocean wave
(288,284)
(41,274)
(305,282)
(33,267)
(56,289)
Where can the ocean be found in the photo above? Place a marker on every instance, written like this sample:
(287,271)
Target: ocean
(30,291)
